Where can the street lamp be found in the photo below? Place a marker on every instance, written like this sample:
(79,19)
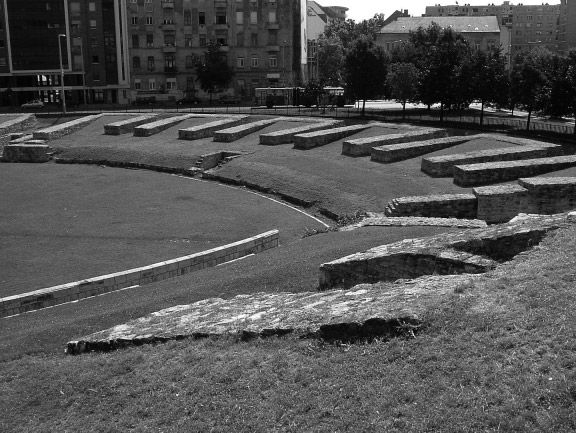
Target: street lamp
(83,70)
(63,95)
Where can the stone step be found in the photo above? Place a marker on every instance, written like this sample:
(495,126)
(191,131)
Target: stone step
(494,172)
(403,151)
(209,129)
(237,132)
(443,166)
(309,140)
(364,146)
(436,206)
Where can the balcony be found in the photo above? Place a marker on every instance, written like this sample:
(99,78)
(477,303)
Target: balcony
(169,48)
(273,48)
(273,26)
(168,4)
(224,48)
(168,26)
(170,69)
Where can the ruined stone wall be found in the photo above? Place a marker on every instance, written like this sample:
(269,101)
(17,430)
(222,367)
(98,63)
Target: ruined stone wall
(438,206)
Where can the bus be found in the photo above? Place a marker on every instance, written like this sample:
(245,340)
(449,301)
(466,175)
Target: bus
(271,96)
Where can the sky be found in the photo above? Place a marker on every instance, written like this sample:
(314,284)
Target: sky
(363,9)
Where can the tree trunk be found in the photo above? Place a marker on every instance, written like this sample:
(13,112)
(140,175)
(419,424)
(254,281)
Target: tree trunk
(404,110)
(363,106)
(529,116)
(441,111)
(482,113)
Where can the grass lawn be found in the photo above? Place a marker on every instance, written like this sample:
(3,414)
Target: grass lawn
(498,355)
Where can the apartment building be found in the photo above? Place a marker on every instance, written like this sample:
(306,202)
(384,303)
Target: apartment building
(87,37)
(263,40)
(567,26)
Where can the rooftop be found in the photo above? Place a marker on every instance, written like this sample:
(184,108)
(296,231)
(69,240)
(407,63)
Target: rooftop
(488,24)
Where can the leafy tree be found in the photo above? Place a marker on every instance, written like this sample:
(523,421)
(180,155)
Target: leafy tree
(570,71)
(213,70)
(556,98)
(527,80)
(485,77)
(365,70)
(330,60)
(402,80)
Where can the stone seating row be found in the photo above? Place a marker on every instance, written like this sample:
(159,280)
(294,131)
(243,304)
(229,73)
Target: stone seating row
(312,139)
(209,129)
(364,146)
(403,151)
(63,129)
(286,136)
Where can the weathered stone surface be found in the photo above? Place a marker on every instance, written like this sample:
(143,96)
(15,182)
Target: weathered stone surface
(471,251)
(363,146)
(209,129)
(434,206)
(382,220)
(500,203)
(126,126)
(402,151)
(26,153)
(237,132)
(286,136)
(443,166)
(309,140)
(63,129)
(149,129)
(493,172)
(367,311)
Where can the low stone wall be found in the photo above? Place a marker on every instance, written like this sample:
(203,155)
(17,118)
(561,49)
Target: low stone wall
(551,195)
(469,251)
(402,151)
(211,160)
(126,126)
(492,172)
(63,129)
(364,146)
(309,140)
(32,153)
(20,138)
(437,206)
(286,136)
(443,166)
(149,129)
(209,129)
(415,221)
(145,275)
(10,123)
(500,203)
(237,132)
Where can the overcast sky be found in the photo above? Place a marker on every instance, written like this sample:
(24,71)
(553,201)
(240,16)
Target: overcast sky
(364,9)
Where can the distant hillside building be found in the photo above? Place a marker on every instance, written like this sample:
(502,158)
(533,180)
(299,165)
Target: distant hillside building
(480,32)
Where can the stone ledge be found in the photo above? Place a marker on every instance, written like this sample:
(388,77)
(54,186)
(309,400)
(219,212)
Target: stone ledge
(363,146)
(209,129)
(286,136)
(443,166)
(237,132)
(402,151)
(14,123)
(384,310)
(29,153)
(385,221)
(126,126)
(309,140)
(493,172)
(436,206)
(470,251)
(51,296)
(149,129)
(63,129)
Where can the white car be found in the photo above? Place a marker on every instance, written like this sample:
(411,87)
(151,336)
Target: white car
(36,103)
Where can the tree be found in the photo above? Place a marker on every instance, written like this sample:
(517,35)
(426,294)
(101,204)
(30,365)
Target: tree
(485,77)
(330,60)
(402,80)
(213,70)
(365,70)
(527,80)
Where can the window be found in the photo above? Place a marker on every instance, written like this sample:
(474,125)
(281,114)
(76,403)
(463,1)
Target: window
(253,17)
(528,17)
(138,84)
(187,18)
(190,83)
(3,61)
(134,21)
(272,37)
(254,61)
(169,61)
(272,16)
(1,43)
(95,59)
(75,8)
(254,39)
(96,76)
(92,7)
(151,65)
(240,62)
(136,62)
(99,95)
(189,62)
(92,24)
(221,40)
(202,18)
(220,18)
(168,16)
(202,40)
(93,42)
(152,84)
(273,61)
(169,40)
(240,40)
(149,40)
(170,83)
(188,40)
(135,41)
(149,21)
(239,17)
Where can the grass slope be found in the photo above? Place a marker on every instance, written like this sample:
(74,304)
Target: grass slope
(497,355)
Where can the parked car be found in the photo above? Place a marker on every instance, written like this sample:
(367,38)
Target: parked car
(144,100)
(228,99)
(189,100)
(36,103)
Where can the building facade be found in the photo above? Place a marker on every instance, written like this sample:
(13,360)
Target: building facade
(88,38)
(261,40)
(567,26)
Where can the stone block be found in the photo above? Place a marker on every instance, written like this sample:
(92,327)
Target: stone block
(364,146)
(28,153)
(237,132)
(149,129)
(286,136)
(309,140)
(209,129)
(126,126)
(403,151)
